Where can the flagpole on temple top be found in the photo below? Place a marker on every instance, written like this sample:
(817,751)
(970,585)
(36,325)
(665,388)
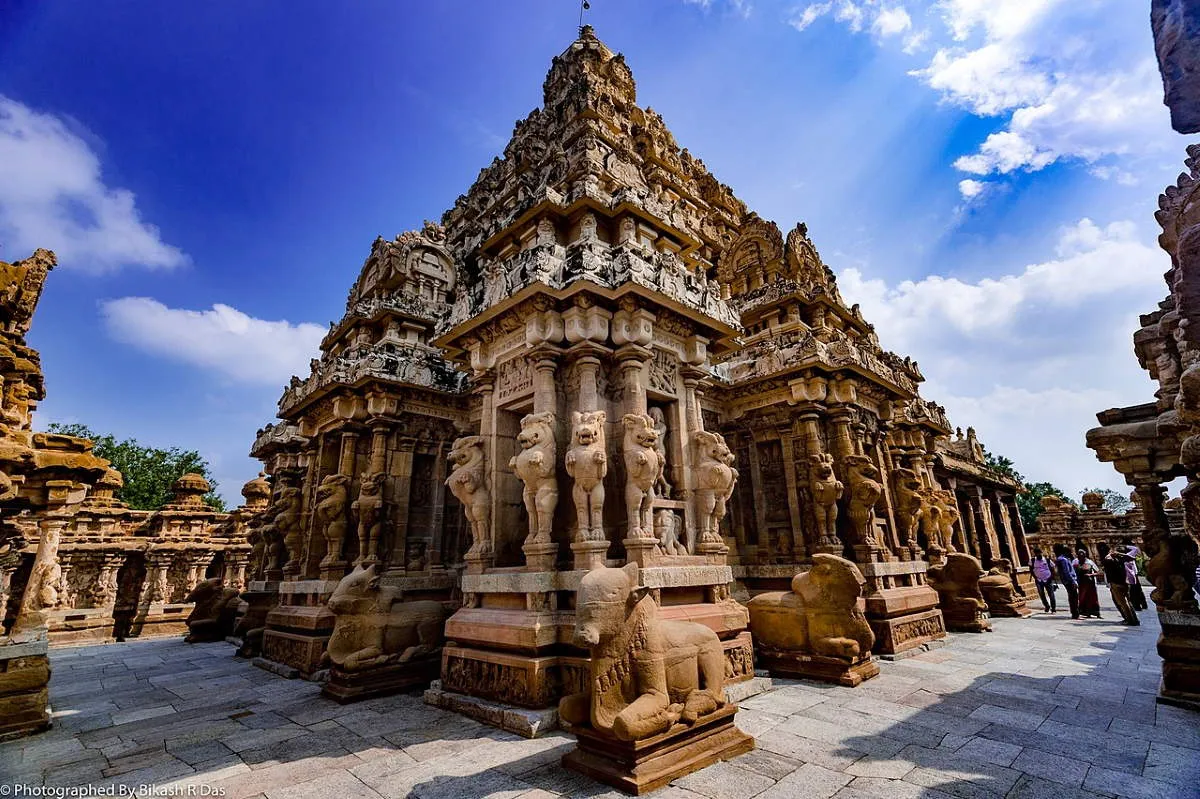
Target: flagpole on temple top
(584,5)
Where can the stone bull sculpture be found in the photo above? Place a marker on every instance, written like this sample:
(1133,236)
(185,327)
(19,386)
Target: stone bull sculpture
(646,673)
(375,627)
(216,610)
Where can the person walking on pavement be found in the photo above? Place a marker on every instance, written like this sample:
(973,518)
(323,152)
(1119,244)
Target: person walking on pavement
(1042,569)
(1113,564)
(1137,597)
(1066,576)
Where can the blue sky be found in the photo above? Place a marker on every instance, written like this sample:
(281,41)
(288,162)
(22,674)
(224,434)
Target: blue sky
(981,175)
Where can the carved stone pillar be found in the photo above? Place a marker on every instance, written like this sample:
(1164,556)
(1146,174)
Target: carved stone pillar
(1018,527)
(799,545)
(402,471)
(588,551)
(482,555)
(438,512)
(41,591)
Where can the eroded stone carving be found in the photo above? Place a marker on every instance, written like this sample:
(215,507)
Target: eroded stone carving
(369,509)
(666,529)
(661,486)
(587,464)
(863,478)
(646,673)
(715,478)
(826,491)
(642,467)
(375,627)
(468,483)
(333,498)
(910,504)
(213,617)
(818,628)
(535,464)
(956,581)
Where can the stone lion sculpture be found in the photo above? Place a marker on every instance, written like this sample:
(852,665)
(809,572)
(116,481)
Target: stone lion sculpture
(374,627)
(826,491)
(285,523)
(535,465)
(333,497)
(956,581)
(369,509)
(819,616)
(213,616)
(910,504)
(640,449)
(468,484)
(1002,597)
(646,673)
(715,479)
(587,464)
(865,490)
(948,516)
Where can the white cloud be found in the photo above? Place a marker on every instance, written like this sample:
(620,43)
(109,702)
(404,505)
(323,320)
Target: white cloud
(52,195)
(1031,356)
(1068,80)
(742,8)
(970,189)
(222,339)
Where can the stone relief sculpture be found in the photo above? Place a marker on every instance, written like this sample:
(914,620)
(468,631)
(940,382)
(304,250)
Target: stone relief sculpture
(666,529)
(645,673)
(910,505)
(374,626)
(956,581)
(865,490)
(216,608)
(1001,595)
(642,467)
(333,498)
(468,483)
(661,486)
(369,509)
(948,515)
(286,524)
(715,479)
(587,464)
(826,491)
(817,629)
(535,465)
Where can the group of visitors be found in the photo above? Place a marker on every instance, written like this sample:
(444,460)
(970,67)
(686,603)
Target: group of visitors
(1079,577)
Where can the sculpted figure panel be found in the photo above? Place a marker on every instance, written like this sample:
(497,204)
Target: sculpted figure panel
(587,464)
(666,529)
(910,504)
(374,626)
(333,497)
(661,486)
(826,491)
(535,465)
(715,479)
(642,466)
(468,483)
(865,490)
(646,673)
(286,527)
(369,509)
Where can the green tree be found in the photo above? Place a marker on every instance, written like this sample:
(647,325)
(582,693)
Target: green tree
(1029,502)
(149,472)
(1114,501)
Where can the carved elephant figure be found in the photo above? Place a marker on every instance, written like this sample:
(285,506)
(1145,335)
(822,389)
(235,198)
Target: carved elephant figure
(373,626)
(645,673)
(213,616)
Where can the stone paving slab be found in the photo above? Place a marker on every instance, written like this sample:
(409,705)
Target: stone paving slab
(1042,708)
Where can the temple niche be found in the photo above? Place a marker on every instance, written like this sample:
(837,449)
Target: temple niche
(358,465)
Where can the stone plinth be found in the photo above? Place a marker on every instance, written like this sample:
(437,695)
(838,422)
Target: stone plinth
(298,629)
(1179,646)
(161,618)
(24,684)
(257,602)
(638,767)
(903,617)
(81,624)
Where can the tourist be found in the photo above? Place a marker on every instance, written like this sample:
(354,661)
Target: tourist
(1137,597)
(1042,569)
(1113,563)
(1086,572)
(1066,576)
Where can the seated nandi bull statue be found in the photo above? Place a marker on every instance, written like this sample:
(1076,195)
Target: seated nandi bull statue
(216,609)
(817,629)
(1002,597)
(653,708)
(646,673)
(956,581)
(373,626)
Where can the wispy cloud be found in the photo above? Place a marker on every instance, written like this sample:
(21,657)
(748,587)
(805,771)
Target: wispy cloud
(52,195)
(222,339)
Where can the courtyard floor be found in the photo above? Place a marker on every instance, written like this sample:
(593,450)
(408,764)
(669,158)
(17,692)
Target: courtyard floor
(1042,707)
